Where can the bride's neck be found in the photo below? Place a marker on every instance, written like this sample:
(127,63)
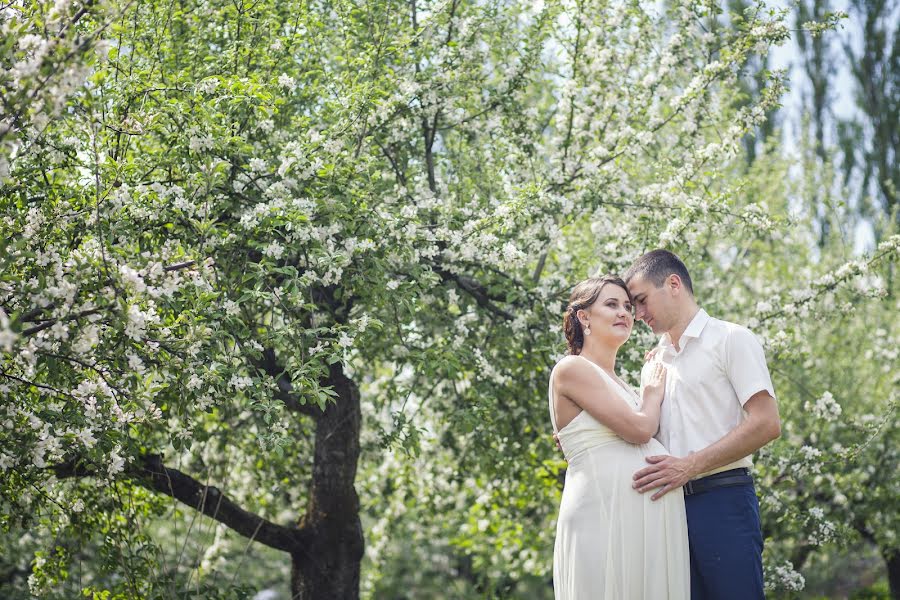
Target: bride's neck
(600,355)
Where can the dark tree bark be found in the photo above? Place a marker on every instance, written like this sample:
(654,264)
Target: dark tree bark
(892,560)
(329,566)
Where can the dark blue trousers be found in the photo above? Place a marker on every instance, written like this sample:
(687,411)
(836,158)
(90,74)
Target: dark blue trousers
(726,544)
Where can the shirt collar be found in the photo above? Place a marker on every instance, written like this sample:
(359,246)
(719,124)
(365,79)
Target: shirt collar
(695,327)
(693,330)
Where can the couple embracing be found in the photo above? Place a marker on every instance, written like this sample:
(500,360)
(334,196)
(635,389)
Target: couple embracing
(658,499)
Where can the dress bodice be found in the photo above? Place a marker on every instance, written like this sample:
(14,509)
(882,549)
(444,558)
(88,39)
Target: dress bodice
(584,431)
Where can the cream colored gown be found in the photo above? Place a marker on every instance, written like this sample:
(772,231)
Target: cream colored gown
(612,542)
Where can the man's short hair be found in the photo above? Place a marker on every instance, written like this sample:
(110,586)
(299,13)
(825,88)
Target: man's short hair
(656,265)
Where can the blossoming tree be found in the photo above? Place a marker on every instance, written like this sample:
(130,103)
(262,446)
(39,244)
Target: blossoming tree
(247,244)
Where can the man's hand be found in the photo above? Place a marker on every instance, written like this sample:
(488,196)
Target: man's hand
(666,472)
(558,445)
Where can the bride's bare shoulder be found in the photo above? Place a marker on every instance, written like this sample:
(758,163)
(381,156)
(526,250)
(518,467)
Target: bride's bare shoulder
(568,360)
(572,365)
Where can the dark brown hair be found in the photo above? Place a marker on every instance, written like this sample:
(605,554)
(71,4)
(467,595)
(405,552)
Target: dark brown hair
(656,265)
(583,296)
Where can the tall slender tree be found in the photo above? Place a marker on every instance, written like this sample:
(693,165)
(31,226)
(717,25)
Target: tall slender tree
(871,147)
(818,64)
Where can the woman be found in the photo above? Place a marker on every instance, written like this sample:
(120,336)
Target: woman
(611,542)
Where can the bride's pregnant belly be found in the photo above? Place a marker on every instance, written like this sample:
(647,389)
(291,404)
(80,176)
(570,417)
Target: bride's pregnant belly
(606,470)
(618,451)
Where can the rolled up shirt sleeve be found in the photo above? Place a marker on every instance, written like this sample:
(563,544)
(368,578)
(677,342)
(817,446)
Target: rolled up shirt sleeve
(745,365)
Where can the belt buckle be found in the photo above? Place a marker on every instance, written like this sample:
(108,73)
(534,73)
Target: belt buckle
(688,488)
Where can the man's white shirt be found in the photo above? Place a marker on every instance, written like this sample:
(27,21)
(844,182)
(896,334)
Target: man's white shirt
(719,367)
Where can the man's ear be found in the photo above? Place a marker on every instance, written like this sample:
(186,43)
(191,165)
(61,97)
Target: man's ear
(674,283)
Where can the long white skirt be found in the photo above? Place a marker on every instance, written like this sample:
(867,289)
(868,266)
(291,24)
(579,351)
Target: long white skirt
(611,541)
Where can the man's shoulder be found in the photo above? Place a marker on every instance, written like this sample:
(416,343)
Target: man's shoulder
(731,336)
(725,334)
(727,327)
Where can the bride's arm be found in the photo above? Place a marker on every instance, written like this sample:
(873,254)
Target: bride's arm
(580,383)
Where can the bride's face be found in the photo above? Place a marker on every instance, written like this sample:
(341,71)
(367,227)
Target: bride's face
(611,316)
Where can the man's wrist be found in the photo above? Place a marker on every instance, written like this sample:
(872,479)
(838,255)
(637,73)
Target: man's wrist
(695,466)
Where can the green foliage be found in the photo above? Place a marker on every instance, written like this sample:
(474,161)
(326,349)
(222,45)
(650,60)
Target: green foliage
(237,199)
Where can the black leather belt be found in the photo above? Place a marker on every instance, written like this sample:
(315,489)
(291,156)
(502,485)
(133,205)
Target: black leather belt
(725,478)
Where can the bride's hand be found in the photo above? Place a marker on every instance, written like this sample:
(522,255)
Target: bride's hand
(655,383)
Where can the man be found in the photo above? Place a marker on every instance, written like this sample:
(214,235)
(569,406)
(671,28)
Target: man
(719,408)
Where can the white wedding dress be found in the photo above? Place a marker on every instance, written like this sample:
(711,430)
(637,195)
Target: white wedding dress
(612,542)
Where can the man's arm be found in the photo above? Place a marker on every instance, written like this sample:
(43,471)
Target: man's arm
(761,426)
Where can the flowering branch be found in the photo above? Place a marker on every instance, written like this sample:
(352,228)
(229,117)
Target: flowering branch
(832,281)
(31,315)
(209,500)
(52,322)
(35,384)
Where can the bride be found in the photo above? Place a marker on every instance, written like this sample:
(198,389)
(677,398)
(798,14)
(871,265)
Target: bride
(611,541)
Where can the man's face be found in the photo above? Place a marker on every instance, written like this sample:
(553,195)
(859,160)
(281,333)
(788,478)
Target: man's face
(651,304)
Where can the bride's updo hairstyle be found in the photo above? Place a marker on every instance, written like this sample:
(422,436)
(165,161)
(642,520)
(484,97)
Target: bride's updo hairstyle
(583,296)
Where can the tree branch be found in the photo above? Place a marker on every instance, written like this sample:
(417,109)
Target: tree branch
(178,266)
(51,322)
(150,472)
(400,176)
(476,290)
(285,393)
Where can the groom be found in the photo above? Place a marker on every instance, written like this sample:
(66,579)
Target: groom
(719,408)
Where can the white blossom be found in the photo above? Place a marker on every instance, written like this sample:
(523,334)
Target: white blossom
(7,335)
(116,462)
(240,382)
(825,407)
(274,250)
(207,86)
(258,165)
(194,382)
(286,82)
(86,437)
(231,308)
(784,576)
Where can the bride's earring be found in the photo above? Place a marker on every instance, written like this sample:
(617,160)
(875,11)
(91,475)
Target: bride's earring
(587,329)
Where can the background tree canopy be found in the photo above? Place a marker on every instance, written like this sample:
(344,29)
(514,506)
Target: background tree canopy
(281,282)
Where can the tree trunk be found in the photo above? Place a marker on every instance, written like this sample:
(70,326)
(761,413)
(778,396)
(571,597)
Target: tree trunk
(892,560)
(330,569)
